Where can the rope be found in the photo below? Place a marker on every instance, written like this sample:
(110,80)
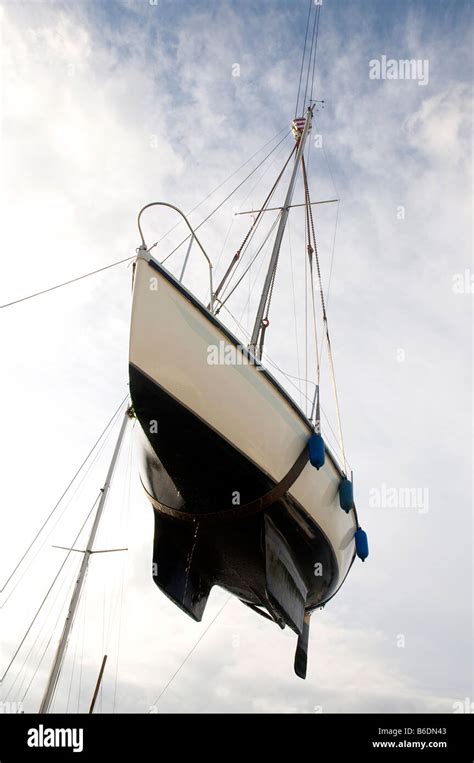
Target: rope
(333,249)
(325,319)
(313,306)
(66,283)
(328,290)
(306,240)
(294,305)
(316,412)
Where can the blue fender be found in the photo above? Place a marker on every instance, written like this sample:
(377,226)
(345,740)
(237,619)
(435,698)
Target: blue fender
(346,495)
(362,544)
(317,451)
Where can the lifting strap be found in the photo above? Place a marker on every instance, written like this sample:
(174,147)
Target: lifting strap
(239,512)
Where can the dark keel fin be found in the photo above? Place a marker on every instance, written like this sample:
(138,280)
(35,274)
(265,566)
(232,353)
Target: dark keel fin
(301,654)
(176,568)
(286,588)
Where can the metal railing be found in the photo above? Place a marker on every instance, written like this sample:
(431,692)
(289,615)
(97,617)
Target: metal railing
(194,238)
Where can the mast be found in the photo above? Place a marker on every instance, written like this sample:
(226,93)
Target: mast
(62,646)
(256,341)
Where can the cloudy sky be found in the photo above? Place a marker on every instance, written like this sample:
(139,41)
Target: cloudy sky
(109,105)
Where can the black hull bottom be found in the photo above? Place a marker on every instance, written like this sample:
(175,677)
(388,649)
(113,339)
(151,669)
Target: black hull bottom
(278,560)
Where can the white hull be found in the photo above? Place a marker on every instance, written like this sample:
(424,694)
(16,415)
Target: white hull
(170,341)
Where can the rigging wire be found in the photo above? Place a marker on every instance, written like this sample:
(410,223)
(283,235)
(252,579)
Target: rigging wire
(260,212)
(58,520)
(111,420)
(260,178)
(306,319)
(267,305)
(38,636)
(277,135)
(83,639)
(308,69)
(66,283)
(274,224)
(80,615)
(115,594)
(328,289)
(237,258)
(333,248)
(126,519)
(303,58)
(49,589)
(59,591)
(49,640)
(224,245)
(191,651)
(221,204)
(251,288)
(289,378)
(318,14)
(328,163)
(313,304)
(325,319)
(129,259)
(109,596)
(332,255)
(246,242)
(310,252)
(294,304)
(248,195)
(311,56)
(316,412)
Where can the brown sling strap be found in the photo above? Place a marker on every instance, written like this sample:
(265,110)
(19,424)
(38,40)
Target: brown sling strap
(239,512)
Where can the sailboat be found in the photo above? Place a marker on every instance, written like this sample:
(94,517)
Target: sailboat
(246,493)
